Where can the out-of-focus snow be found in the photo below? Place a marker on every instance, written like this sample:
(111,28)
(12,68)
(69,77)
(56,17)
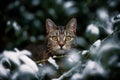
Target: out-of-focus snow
(77,76)
(92,32)
(23,65)
(4,67)
(73,58)
(102,13)
(93,68)
(53,62)
(29,62)
(94,48)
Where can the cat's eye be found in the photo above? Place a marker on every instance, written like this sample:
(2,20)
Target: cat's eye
(54,38)
(68,38)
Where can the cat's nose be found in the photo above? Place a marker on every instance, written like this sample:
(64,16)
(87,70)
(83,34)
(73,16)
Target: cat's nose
(61,44)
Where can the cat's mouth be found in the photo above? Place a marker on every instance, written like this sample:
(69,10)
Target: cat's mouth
(61,48)
(61,51)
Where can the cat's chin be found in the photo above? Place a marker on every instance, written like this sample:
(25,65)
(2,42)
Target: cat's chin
(61,51)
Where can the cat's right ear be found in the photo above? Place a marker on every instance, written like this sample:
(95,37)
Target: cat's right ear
(72,24)
(50,25)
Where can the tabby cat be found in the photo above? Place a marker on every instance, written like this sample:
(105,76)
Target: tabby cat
(59,39)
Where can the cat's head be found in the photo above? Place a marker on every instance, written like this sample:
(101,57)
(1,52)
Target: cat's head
(61,38)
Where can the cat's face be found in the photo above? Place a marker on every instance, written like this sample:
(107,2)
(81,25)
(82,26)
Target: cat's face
(59,38)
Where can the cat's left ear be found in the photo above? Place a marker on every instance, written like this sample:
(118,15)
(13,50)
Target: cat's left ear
(72,24)
(50,25)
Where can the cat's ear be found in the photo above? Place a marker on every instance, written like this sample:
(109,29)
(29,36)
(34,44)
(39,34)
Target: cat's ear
(50,25)
(72,25)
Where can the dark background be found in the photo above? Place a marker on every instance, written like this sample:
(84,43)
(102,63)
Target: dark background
(22,22)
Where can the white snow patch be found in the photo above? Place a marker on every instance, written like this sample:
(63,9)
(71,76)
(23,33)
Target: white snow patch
(103,14)
(93,29)
(93,68)
(53,62)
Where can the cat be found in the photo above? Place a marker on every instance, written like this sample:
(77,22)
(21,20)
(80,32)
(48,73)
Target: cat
(59,40)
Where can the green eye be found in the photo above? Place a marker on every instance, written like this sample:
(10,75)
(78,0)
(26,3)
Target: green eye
(54,38)
(68,38)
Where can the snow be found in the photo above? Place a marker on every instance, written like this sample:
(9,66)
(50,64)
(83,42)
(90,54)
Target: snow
(68,4)
(26,60)
(92,29)
(3,71)
(84,52)
(102,14)
(73,57)
(69,72)
(53,62)
(77,76)
(16,26)
(94,48)
(23,64)
(93,68)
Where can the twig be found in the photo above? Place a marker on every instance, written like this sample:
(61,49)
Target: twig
(56,57)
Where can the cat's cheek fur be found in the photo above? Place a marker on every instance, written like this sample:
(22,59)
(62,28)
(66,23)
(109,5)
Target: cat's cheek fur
(56,48)
(64,47)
